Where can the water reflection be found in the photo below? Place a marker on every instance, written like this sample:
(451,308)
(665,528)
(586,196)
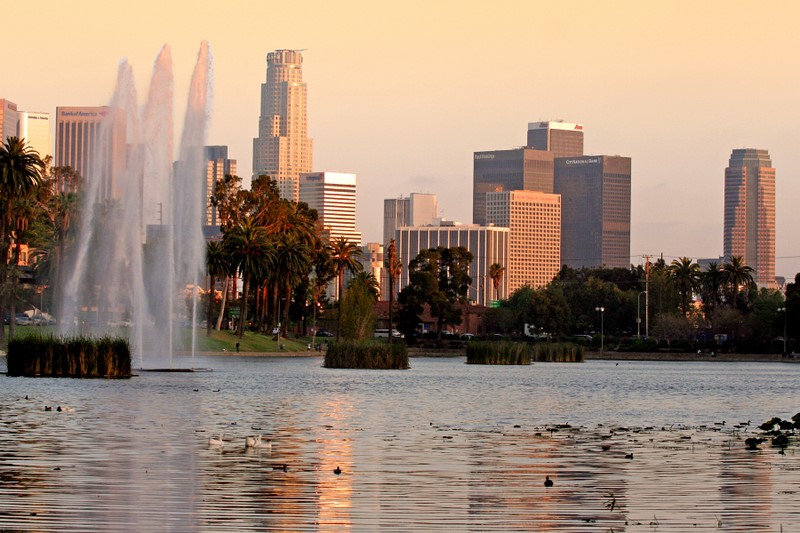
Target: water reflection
(442,447)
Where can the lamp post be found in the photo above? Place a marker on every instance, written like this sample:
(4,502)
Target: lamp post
(638,317)
(783,310)
(602,333)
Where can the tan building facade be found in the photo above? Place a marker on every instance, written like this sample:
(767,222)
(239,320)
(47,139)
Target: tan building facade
(749,225)
(333,195)
(35,129)
(564,139)
(534,220)
(282,149)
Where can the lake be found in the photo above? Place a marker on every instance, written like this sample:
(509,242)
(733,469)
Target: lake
(444,446)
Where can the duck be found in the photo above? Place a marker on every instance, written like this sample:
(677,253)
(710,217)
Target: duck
(252,441)
(65,409)
(337,470)
(548,482)
(213,441)
(629,456)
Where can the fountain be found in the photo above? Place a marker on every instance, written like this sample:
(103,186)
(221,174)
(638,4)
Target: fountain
(140,249)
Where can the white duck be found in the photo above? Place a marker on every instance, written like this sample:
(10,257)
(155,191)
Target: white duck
(213,441)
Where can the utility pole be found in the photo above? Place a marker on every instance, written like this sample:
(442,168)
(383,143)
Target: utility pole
(647,295)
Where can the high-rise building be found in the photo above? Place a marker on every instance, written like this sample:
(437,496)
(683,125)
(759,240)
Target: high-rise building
(282,149)
(564,139)
(8,120)
(79,133)
(509,170)
(749,230)
(534,218)
(217,166)
(595,210)
(418,209)
(488,245)
(35,129)
(333,195)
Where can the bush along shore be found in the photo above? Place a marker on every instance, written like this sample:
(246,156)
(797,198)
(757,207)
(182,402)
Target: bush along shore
(77,357)
(522,353)
(366,354)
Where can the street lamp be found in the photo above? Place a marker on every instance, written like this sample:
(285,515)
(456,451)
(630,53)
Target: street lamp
(638,318)
(602,333)
(783,310)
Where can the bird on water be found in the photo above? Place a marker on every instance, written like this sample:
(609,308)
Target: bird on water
(548,482)
(337,470)
(213,441)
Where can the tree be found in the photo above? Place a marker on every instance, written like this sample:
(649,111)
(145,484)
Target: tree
(344,256)
(358,307)
(496,273)
(711,282)
(686,274)
(252,254)
(440,278)
(292,263)
(737,276)
(217,264)
(21,173)
(394,267)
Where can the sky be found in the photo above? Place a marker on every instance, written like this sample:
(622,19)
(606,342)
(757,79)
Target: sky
(403,93)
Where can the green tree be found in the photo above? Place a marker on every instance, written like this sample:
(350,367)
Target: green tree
(358,307)
(292,263)
(711,284)
(344,256)
(686,274)
(496,273)
(393,266)
(218,263)
(737,277)
(21,173)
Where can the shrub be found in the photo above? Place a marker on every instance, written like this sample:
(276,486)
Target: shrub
(558,352)
(366,354)
(81,357)
(499,353)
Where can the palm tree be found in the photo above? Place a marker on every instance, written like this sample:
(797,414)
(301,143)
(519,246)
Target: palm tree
(292,263)
(711,282)
(394,267)
(21,173)
(686,274)
(368,281)
(252,254)
(344,256)
(496,272)
(217,264)
(737,275)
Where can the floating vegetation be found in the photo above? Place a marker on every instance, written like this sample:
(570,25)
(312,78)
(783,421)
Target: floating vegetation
(366,354)
(778,436)
(499,353)
(558,352)
(77,357)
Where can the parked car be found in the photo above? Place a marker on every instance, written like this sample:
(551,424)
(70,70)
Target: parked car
(384,334)
(23,320)
(467,336)
(325,333)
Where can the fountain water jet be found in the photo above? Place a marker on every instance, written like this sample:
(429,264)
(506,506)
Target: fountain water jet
(140,244)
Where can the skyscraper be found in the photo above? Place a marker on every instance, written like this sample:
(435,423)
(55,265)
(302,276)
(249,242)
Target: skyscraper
(595,210)
(418,209)
(564,139)
(749,230)
(35,129)
(79,131)
(333,195)
(534,218)
(217,166)
(8,120)
(282,149)
(509,170)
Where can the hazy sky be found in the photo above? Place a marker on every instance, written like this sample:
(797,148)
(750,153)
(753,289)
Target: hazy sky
(403,93)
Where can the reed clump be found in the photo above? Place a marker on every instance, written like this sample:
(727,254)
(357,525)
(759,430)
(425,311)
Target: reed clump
(77,357)
(366,354)
(558,352)
(499,353)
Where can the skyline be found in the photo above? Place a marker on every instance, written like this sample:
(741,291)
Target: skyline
(403,98)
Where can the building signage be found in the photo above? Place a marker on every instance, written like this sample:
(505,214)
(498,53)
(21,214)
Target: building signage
(484,156)
(591,160)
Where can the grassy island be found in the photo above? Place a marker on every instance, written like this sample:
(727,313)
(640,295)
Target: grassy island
(367,354)
(76,357)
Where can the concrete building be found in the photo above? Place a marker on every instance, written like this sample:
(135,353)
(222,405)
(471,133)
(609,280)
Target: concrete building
(418,209)
(749,225)
(564,139)
(217,166)
(8,120)
(534,218)
(79,132)
(282,149)
(35,129)
(595,210)
(333,195)
(371,260)
(509,170)
(488,245)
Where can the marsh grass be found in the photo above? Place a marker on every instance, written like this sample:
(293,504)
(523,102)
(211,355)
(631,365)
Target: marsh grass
(366,354)
(522,353)
(79,357)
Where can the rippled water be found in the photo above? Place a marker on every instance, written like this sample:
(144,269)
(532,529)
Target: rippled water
(441,447)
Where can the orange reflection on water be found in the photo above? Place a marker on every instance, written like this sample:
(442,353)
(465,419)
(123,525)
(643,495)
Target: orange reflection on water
(334,447)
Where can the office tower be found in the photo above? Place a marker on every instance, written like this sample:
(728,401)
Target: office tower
(333,195)
(509,170)
(8,120)
(282,149)
(534,218)
(595,210)
(79,132)
(217,166)
(488,245)
(371,260)
(749,230)
(564,139)
(35,129)
(418,209)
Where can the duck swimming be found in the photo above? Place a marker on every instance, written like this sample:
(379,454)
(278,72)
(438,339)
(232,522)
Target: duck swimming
(213,441)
